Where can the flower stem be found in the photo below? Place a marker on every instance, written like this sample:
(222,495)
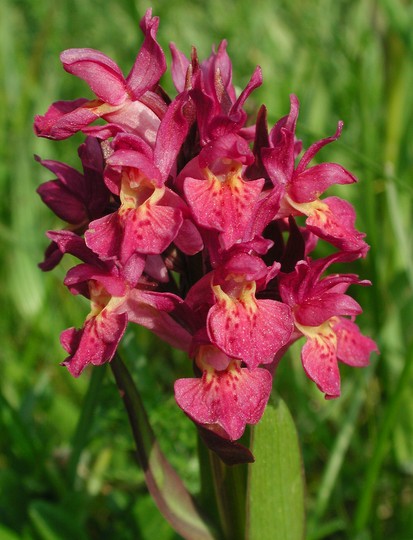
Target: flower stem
(230,493)
(166,487)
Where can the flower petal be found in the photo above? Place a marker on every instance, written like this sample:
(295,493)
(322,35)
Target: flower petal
(150,63)
(95,343)
(231,398)
(249,329)
(100,72)
(353,348)
(319,360)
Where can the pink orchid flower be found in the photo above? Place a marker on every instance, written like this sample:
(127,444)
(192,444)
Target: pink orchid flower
(130,104)
(331,218)
(325,315)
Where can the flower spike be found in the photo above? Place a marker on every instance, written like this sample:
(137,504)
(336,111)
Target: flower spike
(202,226)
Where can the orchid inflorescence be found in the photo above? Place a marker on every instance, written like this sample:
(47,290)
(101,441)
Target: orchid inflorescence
(184,220)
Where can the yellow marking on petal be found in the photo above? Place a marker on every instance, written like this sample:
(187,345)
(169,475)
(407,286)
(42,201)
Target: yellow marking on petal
(247,296)
(316,209)
(244,293)
(230,175)
(238,278)
(209,372)
(101,300)
(321,333)
(100,108)
(138,192)
(221,296)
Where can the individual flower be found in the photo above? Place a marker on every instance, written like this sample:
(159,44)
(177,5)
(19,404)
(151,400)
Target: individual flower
(240,324)
(325,314)
(151,215)
(227,396)
(129,104)
(117,294)
(332,218)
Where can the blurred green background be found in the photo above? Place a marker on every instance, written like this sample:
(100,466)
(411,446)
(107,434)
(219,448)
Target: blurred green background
(66,455)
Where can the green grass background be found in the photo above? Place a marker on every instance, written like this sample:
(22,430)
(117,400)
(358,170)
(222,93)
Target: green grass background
(66,455)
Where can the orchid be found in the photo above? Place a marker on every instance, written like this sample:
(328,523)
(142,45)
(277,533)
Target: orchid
(324,314)
(128,104)
(184,222)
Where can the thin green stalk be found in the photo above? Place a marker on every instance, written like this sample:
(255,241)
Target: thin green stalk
(230,494)
(84,422)
(206,496)
(368,490)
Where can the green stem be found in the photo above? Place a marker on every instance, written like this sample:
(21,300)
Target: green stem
(230,494)
(163,483)
(206,496)
(84,423)
(381,446)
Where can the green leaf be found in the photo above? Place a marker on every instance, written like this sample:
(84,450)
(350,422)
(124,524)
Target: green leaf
(403,440)
(51,522)
(275,497)
(8,534)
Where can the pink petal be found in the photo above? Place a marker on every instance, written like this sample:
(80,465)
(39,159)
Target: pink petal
(136,160)
(335,223)
(171,134)
(188,239)
(252,331)
(100,72)
(103,237)
(316,310)
(279,158)
(353,348)
(135,117)
(316,147)
(151,310)
(254,82)
(231,398)
(311,183)
(319,360)
(226,207)
(149,229)
(150,63)
(179,68)
(64,118)
(95,344)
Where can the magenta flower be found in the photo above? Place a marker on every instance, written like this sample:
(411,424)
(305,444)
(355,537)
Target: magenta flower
(320,307)
(130,104)
(332,218)
(184,222)
(241,325)
(227,396)
(150,215)
(117,294)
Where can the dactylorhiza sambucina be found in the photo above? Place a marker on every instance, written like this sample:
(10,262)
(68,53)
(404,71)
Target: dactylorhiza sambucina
(184,221)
